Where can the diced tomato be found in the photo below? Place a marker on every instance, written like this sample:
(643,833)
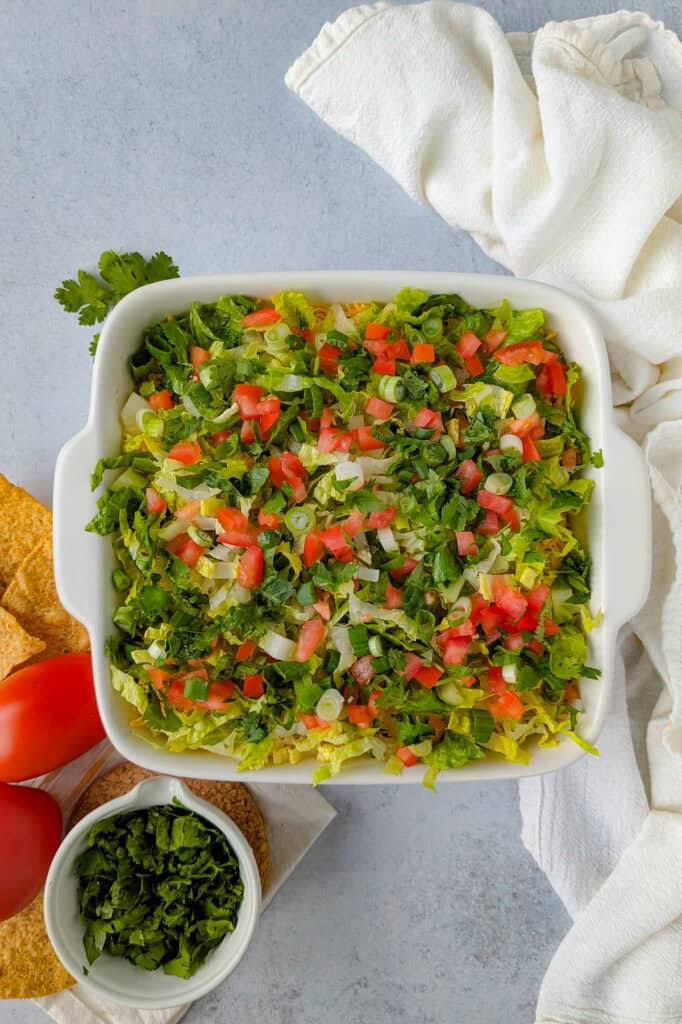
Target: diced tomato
(513,642)
(536,647)
(405,569)
(377,348)
(371,703)
(247,397)
(155,503)
(253,686)
(478,604)
(525,352)
(198,355)
(380,520)
(571,692)
(377,332)
(384,365)
(558,379)
(490,524)
(494,339)
(158,676)
(423,353)
(268,413)
(428,676)
(525,426)
(336,542)
(551,628)
(455,650)
(469,476)
(276,471)
(490,619)
(393,597)
(268,520)
(327,418)
(467,344)
(231,518)
(530,452)
(354,523)
(543,381)
(184,548)
(465,543)
(328,440)
(474,366)
(495,681)
(359,714)
(362,670)
(398,349)
(218,693)
(367,443)
(161,400)
(187,452)
(309,639)
(220,436)
(246,651)
(569,458)
(246,433)
(511,518)
(429,419)
(176,696)
(537,596)
(507,705)
(313,548)
(189,511)
(261,317)
(242,538)
(495,502)
(251,567)
(466,628)
(313,721)
(528,621)
(323,610)
(509,600)
(329,359)
(405,755)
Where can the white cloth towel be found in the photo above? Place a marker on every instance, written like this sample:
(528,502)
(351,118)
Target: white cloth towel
(561,153)
(294,817)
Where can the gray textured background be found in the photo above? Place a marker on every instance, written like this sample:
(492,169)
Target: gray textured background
(166,124)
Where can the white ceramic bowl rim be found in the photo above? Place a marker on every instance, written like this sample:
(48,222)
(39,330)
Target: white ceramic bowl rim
(114,978)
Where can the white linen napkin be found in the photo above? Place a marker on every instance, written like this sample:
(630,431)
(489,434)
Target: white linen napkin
(561,153)
(294,816)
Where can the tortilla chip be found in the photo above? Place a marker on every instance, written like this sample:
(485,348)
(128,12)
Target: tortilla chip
(233,798)
(16,645)
(31,597)
(23,522)
(24,976)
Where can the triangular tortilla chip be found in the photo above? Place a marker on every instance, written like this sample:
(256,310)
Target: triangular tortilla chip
(31,597)
(16,645)
(23,522)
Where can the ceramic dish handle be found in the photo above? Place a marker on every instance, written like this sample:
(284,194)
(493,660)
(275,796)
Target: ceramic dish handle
(627,502)
(74,549)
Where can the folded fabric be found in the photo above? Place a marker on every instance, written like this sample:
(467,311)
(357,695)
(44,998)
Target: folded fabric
(561,153)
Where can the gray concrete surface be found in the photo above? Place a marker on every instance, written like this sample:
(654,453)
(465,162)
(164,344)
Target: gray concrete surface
(166,124)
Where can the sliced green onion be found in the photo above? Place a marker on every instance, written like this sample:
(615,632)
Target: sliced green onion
(278,332)
(392,389)
(421,749)
(330,705)
(443,377)
(199,537)
(498,483)
(509,441)
(449,693)
(460,611)
(523,407)
(375,646)
(299,520)
(432,328)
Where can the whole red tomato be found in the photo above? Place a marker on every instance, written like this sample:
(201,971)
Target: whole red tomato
(48,716)
(29,836)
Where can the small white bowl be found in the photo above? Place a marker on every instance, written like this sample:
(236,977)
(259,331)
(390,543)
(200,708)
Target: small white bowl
(114,978)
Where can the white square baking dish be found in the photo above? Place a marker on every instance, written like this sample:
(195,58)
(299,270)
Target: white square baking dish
(618,524)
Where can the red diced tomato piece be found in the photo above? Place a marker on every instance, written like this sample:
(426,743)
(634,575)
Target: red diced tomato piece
(231,519)
(268,413)
(246,651)
(218,693)
(495,502)
(423,352)
(253,686)
(412,665)
(220,436)
(198,355)
(398,349)
(327,418)
(354,523)
(465,543)
(246,434)
(474,366)
(276,472)
(247,397)
(494,339)
(384,365)
(378,408)
(367,443)
(329,359)
(525,426)
(571,692)
(507,705)
(362,670)
(469,476)
(323,610)
(509,600)
(359,714)
(161,400)
(551,628)
(428,676)
(176,696)
(187,452)
(455,650)
(377,332)
(309,639)
(380,520)
(431,420)
(490,524)
(184,548)
(158,676)
(335,541)
(525,352)
(268,520)
(261,317)
(467,344)
(393,597)
(537,596)
(405,755)
(189,511)
(371,703)
(313,721)
(251,567)
(495,682)
(558,379)
(528,621)
(292,467)
(244,538)
(405,569)
(478,604)
(155,503)
(511,518)
(513,642)
(530,452)
(313,548)
(491,619)
(536,647)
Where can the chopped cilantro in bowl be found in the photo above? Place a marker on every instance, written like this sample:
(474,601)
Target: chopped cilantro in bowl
(350,531)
